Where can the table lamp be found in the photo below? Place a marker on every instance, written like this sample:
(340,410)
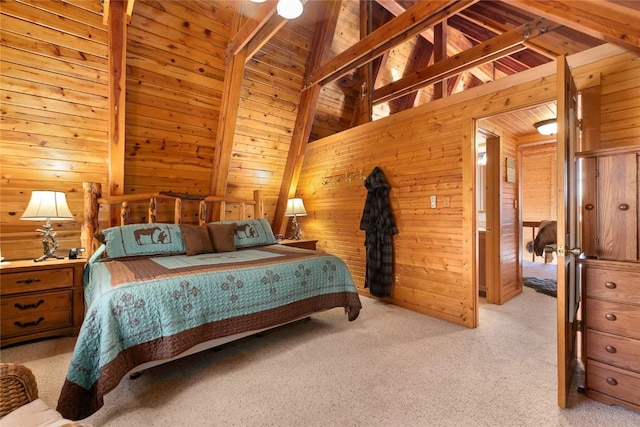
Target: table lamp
(295,208)
(45,206)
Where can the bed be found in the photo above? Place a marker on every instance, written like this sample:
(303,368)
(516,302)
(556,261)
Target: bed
(155,292)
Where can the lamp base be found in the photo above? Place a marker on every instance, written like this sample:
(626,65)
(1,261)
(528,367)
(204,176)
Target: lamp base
(47,256)
(296,229)
(49,242)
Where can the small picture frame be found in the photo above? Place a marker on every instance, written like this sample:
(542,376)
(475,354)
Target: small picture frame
(510,169)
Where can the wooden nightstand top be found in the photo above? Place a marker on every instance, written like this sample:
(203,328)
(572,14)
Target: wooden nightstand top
(9,266)
(302,243)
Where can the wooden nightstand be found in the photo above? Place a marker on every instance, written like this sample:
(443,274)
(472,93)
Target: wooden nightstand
(40,299)
(302,243)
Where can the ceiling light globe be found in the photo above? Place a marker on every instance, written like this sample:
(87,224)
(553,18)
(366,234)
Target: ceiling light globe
(289,9)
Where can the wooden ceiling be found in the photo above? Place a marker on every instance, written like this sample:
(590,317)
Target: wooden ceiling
(417,51)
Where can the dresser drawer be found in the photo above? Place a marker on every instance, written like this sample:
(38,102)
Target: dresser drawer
(30,281)
(35,304)
(622,286)
(615,382)
(613,317)
(614,350)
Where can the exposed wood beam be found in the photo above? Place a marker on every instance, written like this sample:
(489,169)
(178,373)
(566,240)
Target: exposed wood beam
(606,20)
(320,51)
(423,14)
(498,28)
(365,72)
(258,20)
(117,61)
(490,50)
(230,102)
(440,54)
(457,41)
(106,6)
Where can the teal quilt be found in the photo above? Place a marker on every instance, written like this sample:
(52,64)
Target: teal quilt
(150,308)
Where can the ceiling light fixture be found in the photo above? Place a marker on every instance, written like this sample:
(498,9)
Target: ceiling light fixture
(289,9)
(547,127)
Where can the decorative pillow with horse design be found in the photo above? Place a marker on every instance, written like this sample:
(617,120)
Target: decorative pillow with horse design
(252,232)
(143,239)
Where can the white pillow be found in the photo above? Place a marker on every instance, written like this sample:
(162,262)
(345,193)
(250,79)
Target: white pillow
(34,414)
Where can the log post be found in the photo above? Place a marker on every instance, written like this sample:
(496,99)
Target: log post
(92,191)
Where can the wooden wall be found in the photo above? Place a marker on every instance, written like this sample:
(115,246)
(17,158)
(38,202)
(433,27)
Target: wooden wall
(425,151)
(53,67)
(54,135)
(538,182)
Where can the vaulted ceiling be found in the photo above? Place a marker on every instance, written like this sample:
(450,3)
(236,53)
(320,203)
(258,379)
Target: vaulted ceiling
(391,55)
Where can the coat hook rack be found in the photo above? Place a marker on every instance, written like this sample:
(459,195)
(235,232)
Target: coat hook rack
(345,177)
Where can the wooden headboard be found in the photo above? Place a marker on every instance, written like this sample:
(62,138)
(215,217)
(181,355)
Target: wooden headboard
(210,208)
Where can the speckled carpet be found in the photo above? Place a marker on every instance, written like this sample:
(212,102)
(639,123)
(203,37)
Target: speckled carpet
(391,367)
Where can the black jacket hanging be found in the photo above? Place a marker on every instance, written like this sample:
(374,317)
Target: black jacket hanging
(379,225)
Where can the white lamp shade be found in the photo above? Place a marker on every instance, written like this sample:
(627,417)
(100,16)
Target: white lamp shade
(47,205)
(295,207)
(289,9)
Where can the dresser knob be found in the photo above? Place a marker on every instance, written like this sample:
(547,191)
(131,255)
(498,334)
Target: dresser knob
(623,207)
(610,316)
(610,285)
(610,349)
(612,381)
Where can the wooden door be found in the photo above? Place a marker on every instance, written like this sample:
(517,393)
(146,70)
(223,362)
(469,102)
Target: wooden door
(567,239)
(492,204)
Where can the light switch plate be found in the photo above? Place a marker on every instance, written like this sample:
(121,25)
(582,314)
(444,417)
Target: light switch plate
(433,202)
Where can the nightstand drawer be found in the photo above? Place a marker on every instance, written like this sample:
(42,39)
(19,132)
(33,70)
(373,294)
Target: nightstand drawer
(35,322)
(35,304)
(29,281)
(614,350)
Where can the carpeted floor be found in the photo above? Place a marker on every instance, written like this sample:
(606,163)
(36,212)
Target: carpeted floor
(391,367)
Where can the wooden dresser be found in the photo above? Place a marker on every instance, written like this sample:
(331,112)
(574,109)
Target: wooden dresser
(612,331)
(40,299)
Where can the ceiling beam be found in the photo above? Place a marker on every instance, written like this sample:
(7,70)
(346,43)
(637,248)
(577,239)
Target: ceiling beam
(420,16)
(260,17)
(489,50)
(610,21)
(457,42)
(319,52)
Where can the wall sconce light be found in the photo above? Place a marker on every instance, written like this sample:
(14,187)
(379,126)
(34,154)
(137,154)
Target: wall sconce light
(547,127)
(287,9)
(295,208)
(45,206)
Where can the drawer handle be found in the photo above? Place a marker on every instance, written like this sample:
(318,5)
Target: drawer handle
(612,381)
(610,316)
(28,306)
(28,324)
(610,349)
(28,281)
(610,285)
(623,207)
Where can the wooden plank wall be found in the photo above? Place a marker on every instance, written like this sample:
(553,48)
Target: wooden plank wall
(53,70)
(422,151)
(538,182)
